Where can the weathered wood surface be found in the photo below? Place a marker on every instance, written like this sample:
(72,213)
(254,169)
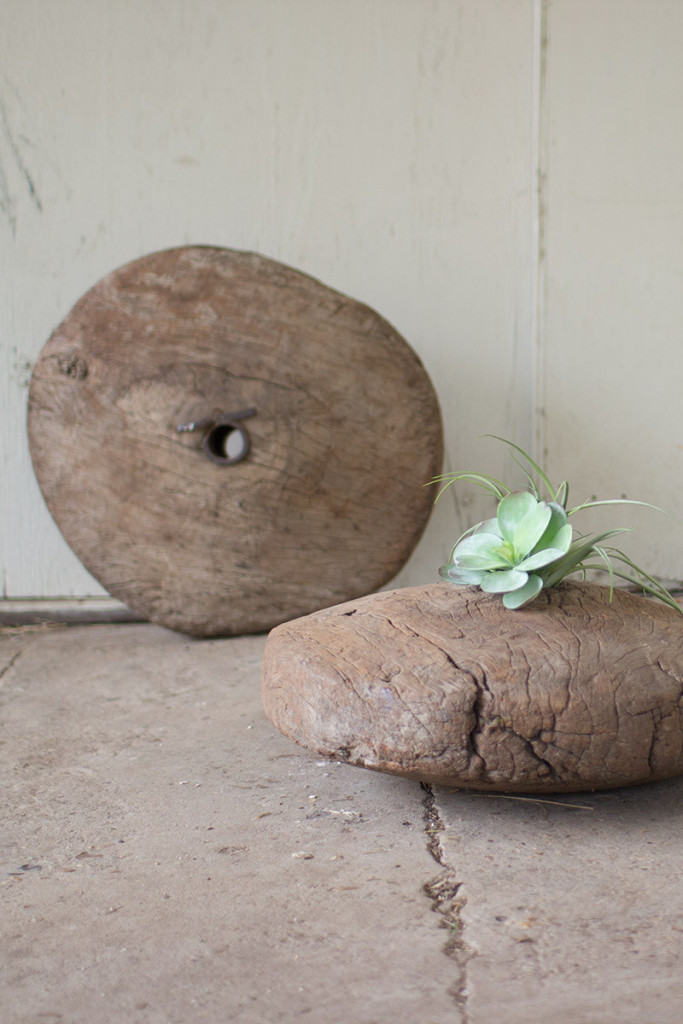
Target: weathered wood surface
(328,504)
(445,685)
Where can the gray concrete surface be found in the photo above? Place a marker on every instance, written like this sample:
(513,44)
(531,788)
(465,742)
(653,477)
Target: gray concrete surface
(167,857)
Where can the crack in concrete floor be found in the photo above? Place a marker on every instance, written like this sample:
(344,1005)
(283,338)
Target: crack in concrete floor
(189,863)
(152,821)
(444,890)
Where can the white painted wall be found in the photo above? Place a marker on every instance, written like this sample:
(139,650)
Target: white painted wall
(391,148)
(612,350)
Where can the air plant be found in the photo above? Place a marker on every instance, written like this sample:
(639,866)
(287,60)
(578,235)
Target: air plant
(531,544)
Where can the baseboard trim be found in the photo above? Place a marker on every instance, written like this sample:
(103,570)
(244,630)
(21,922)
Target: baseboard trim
(66,611)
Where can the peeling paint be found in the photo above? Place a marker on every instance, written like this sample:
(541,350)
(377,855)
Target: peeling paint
(8,201)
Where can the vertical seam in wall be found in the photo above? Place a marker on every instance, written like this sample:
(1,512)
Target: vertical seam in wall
(540,131)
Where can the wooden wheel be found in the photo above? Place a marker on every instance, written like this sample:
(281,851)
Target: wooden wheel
(226,443)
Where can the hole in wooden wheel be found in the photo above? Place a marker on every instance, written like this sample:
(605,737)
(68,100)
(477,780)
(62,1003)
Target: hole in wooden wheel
(226,443)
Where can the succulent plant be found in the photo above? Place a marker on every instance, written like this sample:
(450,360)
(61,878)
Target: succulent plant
(531,545)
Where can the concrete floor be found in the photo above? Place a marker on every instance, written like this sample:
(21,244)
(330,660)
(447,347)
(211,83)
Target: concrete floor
(167,857)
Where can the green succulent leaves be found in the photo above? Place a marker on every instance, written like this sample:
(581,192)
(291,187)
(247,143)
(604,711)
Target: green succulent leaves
(505,555)
(530,544)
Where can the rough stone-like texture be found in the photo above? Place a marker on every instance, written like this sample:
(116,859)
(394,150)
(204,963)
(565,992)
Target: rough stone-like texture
(328,503)
(166,857)
(573,907)
(445,685)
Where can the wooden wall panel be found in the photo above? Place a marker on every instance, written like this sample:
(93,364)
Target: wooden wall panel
(611,370)
(384,146)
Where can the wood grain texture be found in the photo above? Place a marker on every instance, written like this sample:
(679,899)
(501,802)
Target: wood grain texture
(445,685)
(330,500)
(391,159)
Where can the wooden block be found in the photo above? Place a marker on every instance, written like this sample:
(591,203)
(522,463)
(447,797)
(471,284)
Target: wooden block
(341,419)
(443,684)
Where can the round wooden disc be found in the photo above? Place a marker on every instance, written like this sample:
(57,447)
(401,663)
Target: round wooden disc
(327,503)
(581,690)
